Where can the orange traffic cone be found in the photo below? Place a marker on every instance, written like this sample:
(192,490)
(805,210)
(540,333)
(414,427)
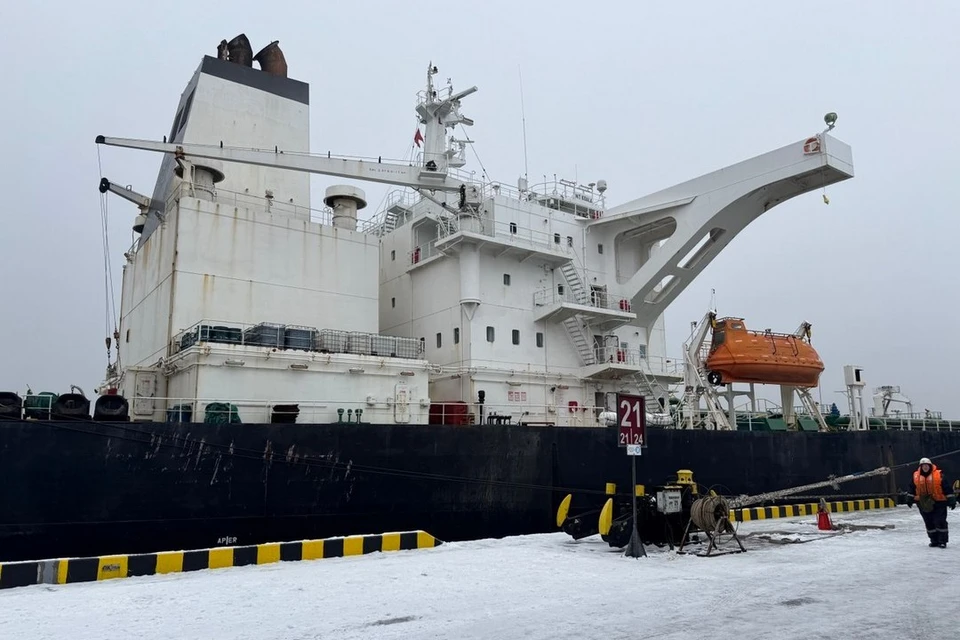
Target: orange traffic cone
(823,517)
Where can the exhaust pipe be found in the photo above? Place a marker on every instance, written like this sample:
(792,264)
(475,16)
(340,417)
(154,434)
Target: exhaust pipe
(271,60)
(240,51)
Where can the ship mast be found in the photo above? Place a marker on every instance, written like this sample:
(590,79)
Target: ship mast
(436,112)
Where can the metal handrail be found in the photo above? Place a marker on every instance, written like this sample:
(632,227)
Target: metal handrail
(544,297)
(323,216)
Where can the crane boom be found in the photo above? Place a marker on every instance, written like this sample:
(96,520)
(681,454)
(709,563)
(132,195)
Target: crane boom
(371,171)
(142,201)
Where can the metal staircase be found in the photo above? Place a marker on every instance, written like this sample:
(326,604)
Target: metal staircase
(652,389)
(575,329)
(572,276)
(811,407)
(581,340)
(399,204)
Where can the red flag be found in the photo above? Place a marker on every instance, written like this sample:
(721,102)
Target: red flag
(417,137)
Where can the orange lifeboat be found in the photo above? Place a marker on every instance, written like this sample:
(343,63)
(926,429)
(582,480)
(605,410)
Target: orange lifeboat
(762,357)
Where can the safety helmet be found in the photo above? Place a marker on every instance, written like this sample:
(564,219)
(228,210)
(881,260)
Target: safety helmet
(925,461)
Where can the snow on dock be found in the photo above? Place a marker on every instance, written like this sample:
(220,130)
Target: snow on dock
(867,583)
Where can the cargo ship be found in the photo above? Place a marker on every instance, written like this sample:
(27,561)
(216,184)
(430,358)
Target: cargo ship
(282,371)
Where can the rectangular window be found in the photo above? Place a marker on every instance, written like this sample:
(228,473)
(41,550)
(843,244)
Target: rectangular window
(569,241)
(516,336)
(539,339)
(513,227)
(556,238)
(489,334)
(393,302)
(506,279)
(393,255)
(600,248)
(456,335)
(559,289)
(439,340)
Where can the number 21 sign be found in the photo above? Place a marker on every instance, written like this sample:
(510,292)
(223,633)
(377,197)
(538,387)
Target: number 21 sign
(632,419)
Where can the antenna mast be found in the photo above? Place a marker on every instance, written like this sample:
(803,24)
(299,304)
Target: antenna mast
(523,120)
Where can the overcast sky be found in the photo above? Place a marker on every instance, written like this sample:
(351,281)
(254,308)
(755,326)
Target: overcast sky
(641,94)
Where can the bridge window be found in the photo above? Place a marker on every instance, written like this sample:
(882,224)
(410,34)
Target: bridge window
(490,334)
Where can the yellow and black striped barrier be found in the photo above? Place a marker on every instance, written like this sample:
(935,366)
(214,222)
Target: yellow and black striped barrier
(70,570)
(808,509)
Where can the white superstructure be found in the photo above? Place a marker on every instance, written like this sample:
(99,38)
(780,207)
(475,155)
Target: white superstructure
(532,304)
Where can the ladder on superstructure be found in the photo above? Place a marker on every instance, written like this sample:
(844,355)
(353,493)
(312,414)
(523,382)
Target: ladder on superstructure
(580,338)
(652,390)
(812,408)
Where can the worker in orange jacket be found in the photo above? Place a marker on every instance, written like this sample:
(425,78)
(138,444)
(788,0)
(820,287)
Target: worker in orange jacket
(929,492)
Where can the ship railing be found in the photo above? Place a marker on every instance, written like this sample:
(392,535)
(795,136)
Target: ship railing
(916,415)
(595,299)
(772,334)
(921,424)
(519,236)
(296,338)
(651,365)
(517,410)
(513,233)
(404,198)
(567,190)
(584,196)
(422,252)
(236,199)
(224,409)
(765,407)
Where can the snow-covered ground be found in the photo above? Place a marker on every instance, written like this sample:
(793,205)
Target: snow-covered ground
(861,584)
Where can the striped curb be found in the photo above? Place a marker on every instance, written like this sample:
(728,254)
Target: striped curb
(808,509)
(72,570)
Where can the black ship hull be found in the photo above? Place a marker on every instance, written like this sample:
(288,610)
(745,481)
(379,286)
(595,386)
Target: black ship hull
(94,488)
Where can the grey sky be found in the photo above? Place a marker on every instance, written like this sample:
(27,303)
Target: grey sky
(640,94)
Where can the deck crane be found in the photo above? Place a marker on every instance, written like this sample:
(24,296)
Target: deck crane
(418,177)
(144,203)
(437,112)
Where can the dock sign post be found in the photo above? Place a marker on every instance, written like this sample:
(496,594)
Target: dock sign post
(632,419)
(632,422)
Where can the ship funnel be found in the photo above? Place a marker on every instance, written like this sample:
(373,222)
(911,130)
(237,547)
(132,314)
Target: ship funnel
(345,200)
(271,59)
(239,51)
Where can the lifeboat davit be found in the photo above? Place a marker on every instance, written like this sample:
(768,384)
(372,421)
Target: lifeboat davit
(762,357)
